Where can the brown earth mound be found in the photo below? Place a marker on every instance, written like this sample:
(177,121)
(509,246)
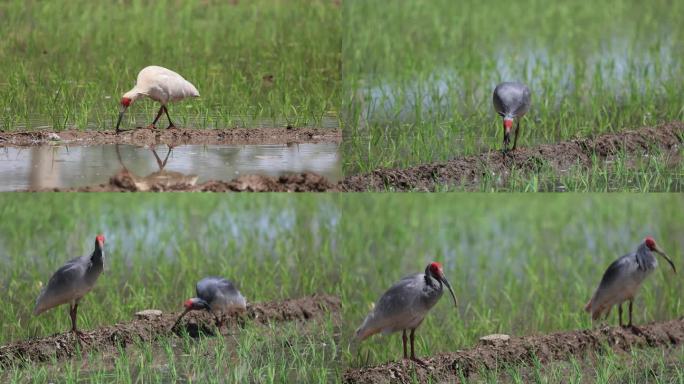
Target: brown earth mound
(448,367)
(461,171)
(559,156)
(174,137)
(66,345)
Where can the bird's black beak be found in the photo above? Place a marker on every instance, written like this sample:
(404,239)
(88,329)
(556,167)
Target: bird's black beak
(446,282)
(661,253)
(180,317)
(118,123)
(507,137)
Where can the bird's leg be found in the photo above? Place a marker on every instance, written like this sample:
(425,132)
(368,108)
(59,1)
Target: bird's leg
(620,314)
(152,126)
(515,139)
(403,339)
(630,314)
(413,350)
(73,313)
(171,125)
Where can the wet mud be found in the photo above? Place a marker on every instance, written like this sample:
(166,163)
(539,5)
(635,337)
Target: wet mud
(148,327)
(174,137)
(450,367)
(467,171)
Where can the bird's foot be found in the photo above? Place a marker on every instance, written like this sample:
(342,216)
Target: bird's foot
(171,126)
(151,126)
(635,329)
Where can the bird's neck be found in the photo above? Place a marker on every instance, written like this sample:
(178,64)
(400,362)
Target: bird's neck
(645,258)
(97,257)
(432,282)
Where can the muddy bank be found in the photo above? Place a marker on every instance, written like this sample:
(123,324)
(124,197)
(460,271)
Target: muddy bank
(174,137)
(562,156)
(125,181)
(65,345)
(465,171)
(448,367)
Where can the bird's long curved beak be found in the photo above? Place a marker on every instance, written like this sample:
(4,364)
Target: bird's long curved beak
(118,123)
(446,282)
(661,253)
(180,317)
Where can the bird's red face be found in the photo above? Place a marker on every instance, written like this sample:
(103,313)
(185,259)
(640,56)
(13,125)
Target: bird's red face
(508,123)
(100,240)
(650,243)
(436,269)
(125,102)
(188,304)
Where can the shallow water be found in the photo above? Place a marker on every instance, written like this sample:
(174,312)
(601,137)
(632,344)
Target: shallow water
(64,166)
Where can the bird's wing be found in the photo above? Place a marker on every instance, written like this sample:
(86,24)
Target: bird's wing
(398,306)
(207,289)
(64,284)
(620,267)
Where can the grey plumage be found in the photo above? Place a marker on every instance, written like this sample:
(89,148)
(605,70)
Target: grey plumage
(216,295)
(72,281)
(623,278)
(511,101)
(405,305)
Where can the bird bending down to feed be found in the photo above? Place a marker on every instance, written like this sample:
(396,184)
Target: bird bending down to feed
(404,306)
(622,280)
(161,85)
(511,101)
(217,296)
(72,281)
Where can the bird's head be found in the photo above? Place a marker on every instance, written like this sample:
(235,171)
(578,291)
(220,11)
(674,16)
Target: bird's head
(126,100)
(99,241)
(434,269)
(651,245)
(195,304)
(507,125)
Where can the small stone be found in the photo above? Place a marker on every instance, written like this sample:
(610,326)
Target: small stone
(495,339)
(148,314)
(53,137)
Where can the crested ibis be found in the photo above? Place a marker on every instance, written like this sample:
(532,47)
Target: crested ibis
(72,281)
(622,280)
(511,101)
(161,85)
(216,295)
(404,306)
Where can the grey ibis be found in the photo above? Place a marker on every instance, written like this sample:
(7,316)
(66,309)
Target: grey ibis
(622,280)
(511,101)
(72,281)
(404,306)
(217,296)
(161,85)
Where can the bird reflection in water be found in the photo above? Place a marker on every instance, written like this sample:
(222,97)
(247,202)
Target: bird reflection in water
(159,180)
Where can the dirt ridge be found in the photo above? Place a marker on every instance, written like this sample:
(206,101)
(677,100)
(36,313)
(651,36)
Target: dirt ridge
(174,137)
(65,345)
(560,156)
(445,367)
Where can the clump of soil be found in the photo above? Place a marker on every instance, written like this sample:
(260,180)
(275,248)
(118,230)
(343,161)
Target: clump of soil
(560,157)
(147,328)
(448,367)
(124,181)
(174,137)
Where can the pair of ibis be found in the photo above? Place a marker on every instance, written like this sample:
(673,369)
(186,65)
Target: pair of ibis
(404,306)
(78,276)
(511,100)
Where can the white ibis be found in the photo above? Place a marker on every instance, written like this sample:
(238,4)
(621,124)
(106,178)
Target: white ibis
(622,280)
(217,296)
(511,101)
(72,281)
(404,306)
(161,85)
